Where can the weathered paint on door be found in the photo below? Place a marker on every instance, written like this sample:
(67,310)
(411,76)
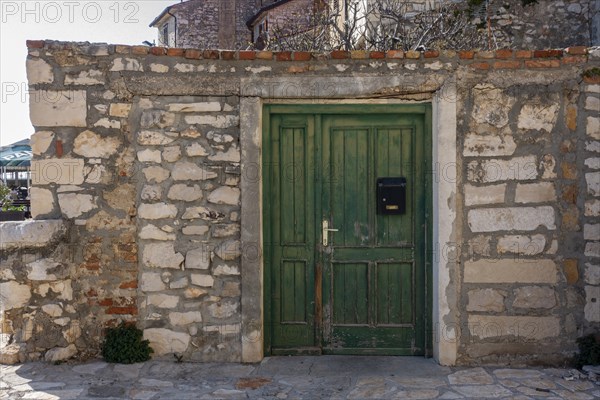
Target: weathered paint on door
(365,291)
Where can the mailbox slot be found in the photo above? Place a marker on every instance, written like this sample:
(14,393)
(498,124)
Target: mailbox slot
(391,196)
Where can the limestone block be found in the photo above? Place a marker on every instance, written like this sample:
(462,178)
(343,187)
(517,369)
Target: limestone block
(525,328)
(159,68)
(158,119)
(202,213)
(152,282)
(225,230)
(209,106)
(229,250)
(592,274)
(152,232)
(219,138)
(157,211)
(151,193)
(42,201)
(534,297)
(165,341)
(195,230)
(90,144)
(58,108)
(172,153)
(74,205)
(591,231)
(538,117)
(40,142)
(592,208)
(593,127)
(184,171)
(120,110)
(149,156)
(122,197)
(202,280)
(156,174)
(13,295)
(12,354)
(511,218)
(592,103)
(488,145)
(161,300)
(223,309)
(548,165)
(185,193)
(593,146)
(216,121)
(225,195)
(179,283)
(89,77)
(184,318)
(62,171)
(108,123)
(38,71)
(510,271)
(495,170)
(154,138)
(196,150)
(60,353)
(486,300)
(191,133)
(491,105)
(232,155)
(593,183)
(592,303)
(198,258)
(231,289)
(593,163)
(535,192)
(522,244)
(38,270)
(489,194)
(53,310)
(31,234)
(226,270)
(161,255)
(194,293)
(592,249)
(126,64)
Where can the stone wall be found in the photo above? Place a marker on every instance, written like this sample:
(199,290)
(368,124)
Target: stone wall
(150,156)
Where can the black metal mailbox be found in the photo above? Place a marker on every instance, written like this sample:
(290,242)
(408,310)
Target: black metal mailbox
(391,196)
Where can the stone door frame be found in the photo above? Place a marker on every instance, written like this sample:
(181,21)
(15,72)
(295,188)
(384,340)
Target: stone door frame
(445,181)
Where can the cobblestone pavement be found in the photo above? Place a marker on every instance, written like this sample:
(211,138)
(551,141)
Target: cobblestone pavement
(325,377)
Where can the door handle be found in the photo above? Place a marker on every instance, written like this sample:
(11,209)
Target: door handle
(326,230)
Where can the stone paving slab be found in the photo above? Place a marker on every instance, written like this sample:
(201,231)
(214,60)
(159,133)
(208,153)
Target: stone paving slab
(324,377)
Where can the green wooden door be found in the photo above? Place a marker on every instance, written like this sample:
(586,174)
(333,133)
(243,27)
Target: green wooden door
(364,291)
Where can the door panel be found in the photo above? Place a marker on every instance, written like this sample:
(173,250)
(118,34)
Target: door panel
(291,233)
(365,292)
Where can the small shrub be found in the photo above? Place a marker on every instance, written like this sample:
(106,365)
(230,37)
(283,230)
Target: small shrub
(589,350)
(124,345)
(591,73)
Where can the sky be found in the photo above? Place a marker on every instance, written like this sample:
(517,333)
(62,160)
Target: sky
(100,21)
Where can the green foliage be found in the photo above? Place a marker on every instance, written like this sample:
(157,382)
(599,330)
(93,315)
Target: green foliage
(592,72)
(5,200)
(589,351)
(124,345)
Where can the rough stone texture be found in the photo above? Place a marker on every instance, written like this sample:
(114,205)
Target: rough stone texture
(506,219)
(40,141)
(535,328)
(534,297)
(176,203)
(58,108)
(510,271)
(164,341)
(486,300)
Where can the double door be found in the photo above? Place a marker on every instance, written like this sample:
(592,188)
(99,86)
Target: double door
(346,255)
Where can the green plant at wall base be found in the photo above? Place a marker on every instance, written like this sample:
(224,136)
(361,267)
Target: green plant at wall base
(124,345)
(589,350)
(591,73)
